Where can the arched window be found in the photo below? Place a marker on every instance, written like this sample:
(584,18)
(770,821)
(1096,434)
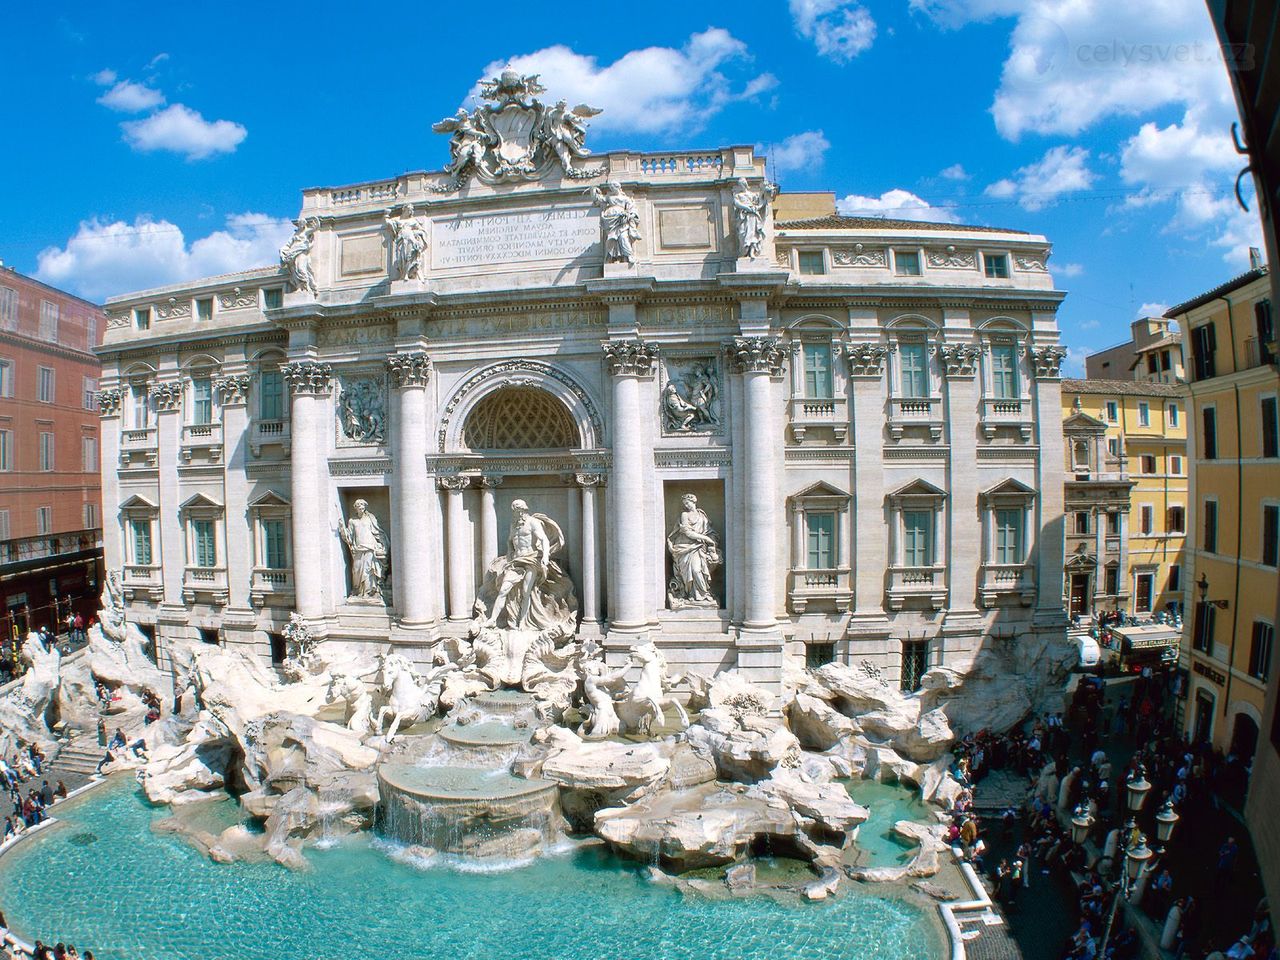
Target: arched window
(520,418)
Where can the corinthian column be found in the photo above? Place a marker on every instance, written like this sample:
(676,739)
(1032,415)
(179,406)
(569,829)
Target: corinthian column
(411,491)
(759,361)
(309,384)
(459,546)
(629,361)
(590,562)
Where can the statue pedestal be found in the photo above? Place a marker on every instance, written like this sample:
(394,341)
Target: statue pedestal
(755,265)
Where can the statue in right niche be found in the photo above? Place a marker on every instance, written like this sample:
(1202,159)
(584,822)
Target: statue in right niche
(695,553)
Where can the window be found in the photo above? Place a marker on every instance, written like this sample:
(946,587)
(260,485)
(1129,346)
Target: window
(1153,365)
(817,371)
(209,635)
(821,537)
(1266,330)
(1111,580)
(44,519)
(915,663)
(201,400)
(1210,434)
(278,649)
(1008,536)
(1082,521)
(8,308)
(1264,636)
(906,263)
(6,378)
(273,298)
(1004,371)
(142,318)
(1175,578)
(915,373)
(1270,428)
(1144,586)
(140,540)
(90,391)
(46,451)
(89,515)
(1166,362)
(818,654)
(1112,411)
(917,538)
(4,524)
(45,385)
(1271,535)
(996,266)
(1211,526)
(1113,446)
(138,392)
(89,454)
(48,321)
(1203,344)
(6,450)
(273,545)
(271,395)
(812,261)
(1172,413)
(1202,627)
(1144,413)
(1176,520)
(1148,463)
(204,308)
(1146,519)
(1175,466)
(204,551)
(1113,523)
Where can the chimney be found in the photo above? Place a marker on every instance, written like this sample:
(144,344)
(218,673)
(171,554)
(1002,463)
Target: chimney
(1255,258)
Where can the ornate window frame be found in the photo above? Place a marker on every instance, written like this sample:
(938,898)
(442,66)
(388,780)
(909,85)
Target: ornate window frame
(829,585)
(917,585)
(913,412)
(805,412)
(140,580)
(1007,412)
(271,585)
(1003,583)
(199,580)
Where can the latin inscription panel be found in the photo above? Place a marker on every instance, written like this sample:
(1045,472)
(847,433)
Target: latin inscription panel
(480,240)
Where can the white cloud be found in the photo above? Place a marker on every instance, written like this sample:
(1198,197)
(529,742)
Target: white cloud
(129,97)
(104,78)
(840,29)
(1152,310)
(1062,170)
(896,203)
(953,14)
(180,129)
(955,172)
(105,259)
(1070,269)
(1073,363)
(653,90)
(800,151)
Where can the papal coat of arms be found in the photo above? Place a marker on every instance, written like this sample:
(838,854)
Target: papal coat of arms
(515,136)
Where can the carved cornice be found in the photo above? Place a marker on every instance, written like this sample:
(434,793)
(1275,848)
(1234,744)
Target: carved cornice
(109,402)
(454,483)
(959,359)
(409,369)
(757,355)
(630,358)
(866,359)
(1047,361)
(308,377)
(167,396)
(234,389)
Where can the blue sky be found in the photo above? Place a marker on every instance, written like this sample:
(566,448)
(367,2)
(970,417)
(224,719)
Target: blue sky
(149,143)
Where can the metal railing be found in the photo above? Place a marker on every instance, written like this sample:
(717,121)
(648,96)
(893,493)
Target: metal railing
(49,545)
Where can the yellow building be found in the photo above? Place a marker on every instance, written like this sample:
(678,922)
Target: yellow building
(1126,504)
(1230,574)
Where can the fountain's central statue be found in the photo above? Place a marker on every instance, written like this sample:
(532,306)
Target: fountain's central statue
(526,589)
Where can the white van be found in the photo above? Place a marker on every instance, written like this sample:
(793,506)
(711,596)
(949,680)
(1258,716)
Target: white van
(1089,651)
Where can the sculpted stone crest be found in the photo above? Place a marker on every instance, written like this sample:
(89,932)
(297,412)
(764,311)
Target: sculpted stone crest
(516,137)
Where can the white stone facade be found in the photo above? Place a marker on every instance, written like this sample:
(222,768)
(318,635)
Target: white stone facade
(879,443)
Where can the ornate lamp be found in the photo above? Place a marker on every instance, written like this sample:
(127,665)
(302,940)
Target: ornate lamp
(1166,820)
(1081,823)
(1137,857)
(1137,788)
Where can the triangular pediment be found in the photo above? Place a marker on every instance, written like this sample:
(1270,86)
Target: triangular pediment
(269,499)
(918,488)
(201,502)
(820,489)
(1082,561)
(1009,488)
(1083,423)
(138,502)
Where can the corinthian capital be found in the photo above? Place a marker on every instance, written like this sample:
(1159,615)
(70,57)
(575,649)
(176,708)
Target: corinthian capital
(109,402)
(234,389)
(630,358)
(1047,361)
(757,355)
(410,369)
(167,395)
(308,376)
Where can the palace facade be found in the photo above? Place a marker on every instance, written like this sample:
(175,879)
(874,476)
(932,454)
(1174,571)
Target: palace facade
(867,411)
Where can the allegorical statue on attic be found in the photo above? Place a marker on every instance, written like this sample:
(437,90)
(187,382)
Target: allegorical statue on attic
(621,222)
(295,256)
(515,136)
(750,208)
(408,244)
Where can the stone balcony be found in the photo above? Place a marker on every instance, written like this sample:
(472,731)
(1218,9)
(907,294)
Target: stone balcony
(264,433)
(142,582)
(202,437)
(829,413)
(1007,584)
(905,412)
(207,583)
(271,587)
(138,445)
(1013,413)
(828,587)
(917,587)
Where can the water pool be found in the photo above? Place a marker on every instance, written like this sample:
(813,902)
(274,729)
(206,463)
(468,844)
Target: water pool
(887,803)
(104,880)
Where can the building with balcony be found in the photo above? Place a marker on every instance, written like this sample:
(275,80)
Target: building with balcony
(1233,513)
(868,411)
(50,490)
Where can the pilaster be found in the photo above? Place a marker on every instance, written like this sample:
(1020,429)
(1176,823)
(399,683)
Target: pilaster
(414,520)
(309,382)
(959,365)
(459,546)
(233,397)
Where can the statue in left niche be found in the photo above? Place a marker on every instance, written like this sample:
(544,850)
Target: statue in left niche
(295,255)
(362,414)
(367,546)
(525,589)
(408,244)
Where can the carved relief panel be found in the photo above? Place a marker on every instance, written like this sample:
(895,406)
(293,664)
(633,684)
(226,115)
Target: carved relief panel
(362,409)
(690,399)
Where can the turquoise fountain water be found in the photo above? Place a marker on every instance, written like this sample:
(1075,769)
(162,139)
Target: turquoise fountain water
(104,880)
(887,803)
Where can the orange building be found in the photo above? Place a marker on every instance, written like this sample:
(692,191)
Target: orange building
(50,487)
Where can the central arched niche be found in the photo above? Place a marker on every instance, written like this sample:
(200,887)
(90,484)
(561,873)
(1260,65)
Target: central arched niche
(520,418)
